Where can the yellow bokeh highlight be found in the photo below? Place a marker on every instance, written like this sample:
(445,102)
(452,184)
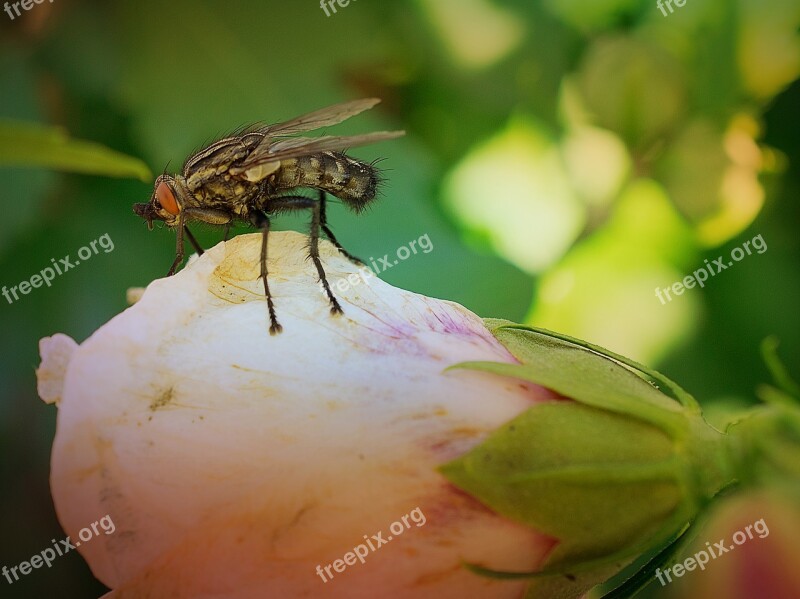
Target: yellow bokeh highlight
(514,190)
(768,52)
(476,33)
(741,195)
(604,289)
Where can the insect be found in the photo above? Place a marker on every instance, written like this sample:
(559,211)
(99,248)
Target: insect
(255,173)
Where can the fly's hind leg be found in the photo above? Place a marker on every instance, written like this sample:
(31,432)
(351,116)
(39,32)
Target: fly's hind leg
(323,221)
(261,221)
(290,203)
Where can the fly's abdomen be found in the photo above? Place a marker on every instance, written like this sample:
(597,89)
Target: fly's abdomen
(354,182)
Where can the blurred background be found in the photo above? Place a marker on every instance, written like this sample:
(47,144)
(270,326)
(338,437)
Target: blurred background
(564,157)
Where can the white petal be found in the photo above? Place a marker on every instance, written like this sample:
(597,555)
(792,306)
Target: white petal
(233,462)
(56,352)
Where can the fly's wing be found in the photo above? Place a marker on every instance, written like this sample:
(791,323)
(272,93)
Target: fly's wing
(271,150)
(221,153)
(325,117)
(294,147)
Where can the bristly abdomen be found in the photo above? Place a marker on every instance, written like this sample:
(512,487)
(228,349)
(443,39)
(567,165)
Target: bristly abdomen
(352,181)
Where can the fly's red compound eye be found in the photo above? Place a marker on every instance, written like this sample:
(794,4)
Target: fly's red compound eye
(166,198)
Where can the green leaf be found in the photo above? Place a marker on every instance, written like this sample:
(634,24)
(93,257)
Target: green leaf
(33,144)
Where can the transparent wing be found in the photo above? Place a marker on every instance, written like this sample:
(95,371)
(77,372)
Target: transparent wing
(325,117)
(293,147)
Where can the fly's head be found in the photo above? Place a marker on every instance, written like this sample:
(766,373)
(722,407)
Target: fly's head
(166,202)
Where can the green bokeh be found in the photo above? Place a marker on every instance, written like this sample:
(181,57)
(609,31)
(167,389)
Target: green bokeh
(156,80)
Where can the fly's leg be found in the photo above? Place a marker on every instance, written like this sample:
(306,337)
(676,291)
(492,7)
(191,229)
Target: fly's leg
(323,221)
(316,213)
(213,217)
(261,221)
(289,203)
(197,247)
(178,247)
(227,232)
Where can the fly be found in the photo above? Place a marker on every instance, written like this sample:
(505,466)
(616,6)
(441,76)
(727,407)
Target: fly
(255,174)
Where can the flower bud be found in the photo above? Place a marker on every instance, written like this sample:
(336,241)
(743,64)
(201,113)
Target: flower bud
(237,464)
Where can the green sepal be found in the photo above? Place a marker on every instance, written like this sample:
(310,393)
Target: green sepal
(788,392)
(615,473)
(624,587)
(587,374)
(520,345)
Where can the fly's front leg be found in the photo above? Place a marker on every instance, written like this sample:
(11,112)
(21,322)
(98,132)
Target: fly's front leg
(208,215)
(213,217)
(197,247)
(261,220)
(178,246)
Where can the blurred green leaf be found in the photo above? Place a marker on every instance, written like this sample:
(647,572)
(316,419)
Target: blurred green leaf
(633,87)
(780,374)
(32,144)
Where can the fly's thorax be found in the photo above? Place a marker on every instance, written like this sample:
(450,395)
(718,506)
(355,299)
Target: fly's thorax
(334,172)
(217,159)
(226,193)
